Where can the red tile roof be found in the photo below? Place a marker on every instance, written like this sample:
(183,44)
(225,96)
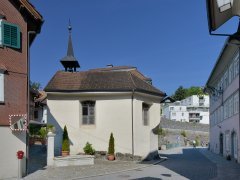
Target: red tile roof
(101,80)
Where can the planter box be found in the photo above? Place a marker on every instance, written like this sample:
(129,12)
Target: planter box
(73,160)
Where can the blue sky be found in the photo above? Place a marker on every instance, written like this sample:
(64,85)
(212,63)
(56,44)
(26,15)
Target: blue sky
(166,40)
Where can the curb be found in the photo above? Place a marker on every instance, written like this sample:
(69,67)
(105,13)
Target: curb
(104,174)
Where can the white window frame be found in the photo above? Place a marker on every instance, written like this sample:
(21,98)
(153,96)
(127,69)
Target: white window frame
(225,80)
(227,142)
(236,103)
(236,65)
(88,119)
(1,87)
(230,73)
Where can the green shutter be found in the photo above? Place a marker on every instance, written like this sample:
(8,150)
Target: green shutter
(11,35)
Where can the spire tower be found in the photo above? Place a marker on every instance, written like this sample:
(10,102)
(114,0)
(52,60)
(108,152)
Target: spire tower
(69,62)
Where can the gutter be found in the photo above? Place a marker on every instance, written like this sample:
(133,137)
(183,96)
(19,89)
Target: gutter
(132,125)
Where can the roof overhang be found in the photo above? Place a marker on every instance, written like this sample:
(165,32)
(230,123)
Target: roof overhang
(227,52)
(220,12)
(102,92)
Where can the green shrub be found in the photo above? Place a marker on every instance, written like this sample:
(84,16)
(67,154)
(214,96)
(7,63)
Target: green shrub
(197,141)
(183,133)
(65,145)
(51,128)
(162,132)
(111,149)
(88,149)
(65,133)
(65,140)
(43,132)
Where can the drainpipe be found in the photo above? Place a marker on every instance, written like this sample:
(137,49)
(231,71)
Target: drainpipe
(28,97)
(132,126)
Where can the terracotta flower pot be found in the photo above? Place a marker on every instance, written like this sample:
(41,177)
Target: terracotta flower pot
(65,153)
(111,157)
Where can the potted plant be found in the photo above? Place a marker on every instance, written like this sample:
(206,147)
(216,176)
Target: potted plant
(65,142)
(51,128)
(111,149)
(43,135)
(88,149)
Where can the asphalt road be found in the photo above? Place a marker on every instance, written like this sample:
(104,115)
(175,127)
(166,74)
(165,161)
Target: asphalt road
(181,164)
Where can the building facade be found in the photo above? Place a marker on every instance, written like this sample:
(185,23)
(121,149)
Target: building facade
(17,18)
(176,112)
(198,108)
(223,87)
(95,103)
(192,109)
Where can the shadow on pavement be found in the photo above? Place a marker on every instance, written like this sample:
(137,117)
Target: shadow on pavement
(37,158)
(190,164)
(147,178)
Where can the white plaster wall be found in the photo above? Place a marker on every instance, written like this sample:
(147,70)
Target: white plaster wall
(9,146)
(112,114)
(166,112)
(64,111)
(205,117)
(145,141)
(231,124)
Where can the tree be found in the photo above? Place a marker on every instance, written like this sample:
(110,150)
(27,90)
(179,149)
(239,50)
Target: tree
(35,85)
(111,148)
(65,140)
(180,94)
(194,90)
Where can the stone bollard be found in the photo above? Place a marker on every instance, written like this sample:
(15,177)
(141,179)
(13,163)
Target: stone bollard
(50,148)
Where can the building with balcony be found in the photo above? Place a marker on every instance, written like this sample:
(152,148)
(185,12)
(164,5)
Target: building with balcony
(192,109)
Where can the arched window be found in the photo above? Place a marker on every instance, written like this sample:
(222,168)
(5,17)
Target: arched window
(88,112)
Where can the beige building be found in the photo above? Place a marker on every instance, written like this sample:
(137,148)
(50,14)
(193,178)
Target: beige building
(223,87)
(94,103)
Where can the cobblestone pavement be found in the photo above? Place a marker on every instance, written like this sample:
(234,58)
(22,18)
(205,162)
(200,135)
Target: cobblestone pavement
(181,164)
(189,163)
(200,163)
(229,170)
(101,167)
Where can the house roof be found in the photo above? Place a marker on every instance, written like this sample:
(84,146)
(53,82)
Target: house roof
(168,99)
(31,9)
(227,52)
(99,80)
(36,19)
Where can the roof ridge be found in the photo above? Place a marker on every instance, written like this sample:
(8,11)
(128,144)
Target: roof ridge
(132,79)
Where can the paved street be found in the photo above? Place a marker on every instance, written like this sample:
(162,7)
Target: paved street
(181,163)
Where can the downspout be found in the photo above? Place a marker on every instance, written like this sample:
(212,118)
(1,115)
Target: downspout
(28,98)
(132,125)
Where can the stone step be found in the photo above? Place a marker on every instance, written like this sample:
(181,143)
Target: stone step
(73,160)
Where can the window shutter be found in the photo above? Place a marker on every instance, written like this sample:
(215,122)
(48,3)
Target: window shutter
(10,35)
(1,87)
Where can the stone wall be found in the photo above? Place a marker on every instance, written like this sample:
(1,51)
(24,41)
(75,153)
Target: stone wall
(173,135)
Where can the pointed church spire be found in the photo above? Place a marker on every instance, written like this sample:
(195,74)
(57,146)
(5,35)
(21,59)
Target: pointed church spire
(69,62)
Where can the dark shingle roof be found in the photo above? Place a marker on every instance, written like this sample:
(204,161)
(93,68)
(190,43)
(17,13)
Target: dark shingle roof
(91,81)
